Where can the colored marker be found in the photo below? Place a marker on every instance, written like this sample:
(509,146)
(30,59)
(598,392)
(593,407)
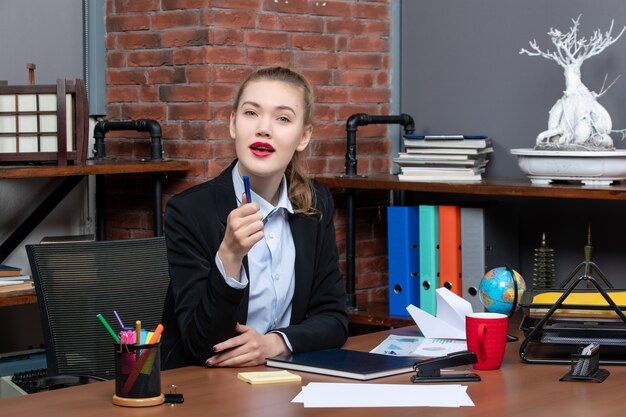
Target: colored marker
(246,186)
(119,320)
(109,329)
(138,332)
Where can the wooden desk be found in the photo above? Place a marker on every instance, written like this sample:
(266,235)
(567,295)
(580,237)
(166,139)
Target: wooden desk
(516,390)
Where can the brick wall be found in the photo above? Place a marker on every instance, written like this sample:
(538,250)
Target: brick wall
(181,61)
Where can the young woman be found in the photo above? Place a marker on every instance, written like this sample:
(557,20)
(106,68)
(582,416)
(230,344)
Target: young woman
(255,279)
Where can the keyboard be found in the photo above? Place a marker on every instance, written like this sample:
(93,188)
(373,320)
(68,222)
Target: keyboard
(28,380)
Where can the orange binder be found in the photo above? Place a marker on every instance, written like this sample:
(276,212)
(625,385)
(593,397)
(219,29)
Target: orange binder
(450,248)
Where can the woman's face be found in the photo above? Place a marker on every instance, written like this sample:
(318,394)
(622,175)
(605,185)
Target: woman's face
(268,127)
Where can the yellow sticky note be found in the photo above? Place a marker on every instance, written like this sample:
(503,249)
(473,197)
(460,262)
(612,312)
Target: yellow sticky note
(268,377)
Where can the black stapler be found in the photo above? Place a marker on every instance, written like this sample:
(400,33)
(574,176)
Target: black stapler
(429,370)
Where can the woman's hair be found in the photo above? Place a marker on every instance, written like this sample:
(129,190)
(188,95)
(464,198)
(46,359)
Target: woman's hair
(300,189)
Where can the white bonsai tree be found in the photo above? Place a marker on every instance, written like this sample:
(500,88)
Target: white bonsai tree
(577,121)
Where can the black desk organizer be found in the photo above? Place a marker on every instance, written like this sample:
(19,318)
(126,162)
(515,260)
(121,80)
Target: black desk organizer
(585,368)
(562,338)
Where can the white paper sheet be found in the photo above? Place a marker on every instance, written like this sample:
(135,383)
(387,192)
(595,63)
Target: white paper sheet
(382,395)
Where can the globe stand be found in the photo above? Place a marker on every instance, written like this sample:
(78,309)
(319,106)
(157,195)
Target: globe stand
(510,337)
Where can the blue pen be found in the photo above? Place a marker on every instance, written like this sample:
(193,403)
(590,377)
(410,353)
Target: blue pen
(246,186)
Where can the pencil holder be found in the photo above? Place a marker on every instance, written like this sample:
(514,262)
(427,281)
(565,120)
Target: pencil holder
(585,368)
(138,375)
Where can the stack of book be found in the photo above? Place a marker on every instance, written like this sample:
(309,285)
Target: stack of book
(444,157)
(11,278)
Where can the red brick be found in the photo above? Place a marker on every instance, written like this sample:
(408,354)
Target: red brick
(324,113)
(171,20)
(371,11)
(281,6)
(166,75)
(331,8)
(369,95)
(344,112)
(318,76)
(148,94)
(224,149)
(267,21)
(356,78)
(183,56)
(195,130)
(231,74)
(229,18)
(331,94)
(362,61)
(237,4)
(378,28)
(330,130)
(116,59)
(138,40)
(314,42)
(114,111)
(170,130)
(125,6)
(154,58)
(192,150)
(200,74)
(328,147)
(183,4)
(226,36)
(111,41)
(368,44)
(222,112)
(347,26)
(128,23)
(316,60)
(267,39)
(218,93)
(122,94)
(197,37)
(126,77)
(305,23)
(225,56)
(189,111)
(174,93)
(375,146)
(144,111)
(267,57)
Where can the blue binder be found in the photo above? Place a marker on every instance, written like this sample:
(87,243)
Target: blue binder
(429,257)
(403,240)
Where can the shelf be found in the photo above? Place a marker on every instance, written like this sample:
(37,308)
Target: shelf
(91,167)
(487,187)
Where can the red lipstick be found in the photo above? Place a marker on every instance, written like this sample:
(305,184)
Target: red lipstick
(261,149)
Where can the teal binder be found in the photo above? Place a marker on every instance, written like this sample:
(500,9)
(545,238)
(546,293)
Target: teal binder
(403,260)
(429,257)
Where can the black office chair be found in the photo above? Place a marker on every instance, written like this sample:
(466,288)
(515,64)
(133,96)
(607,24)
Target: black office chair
(77,281)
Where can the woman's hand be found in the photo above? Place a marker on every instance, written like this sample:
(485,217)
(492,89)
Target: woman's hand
(244,228)
(248,348)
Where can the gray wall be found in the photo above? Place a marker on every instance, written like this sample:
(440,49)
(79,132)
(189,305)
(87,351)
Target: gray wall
(50,35)
(46,33)
(461,72)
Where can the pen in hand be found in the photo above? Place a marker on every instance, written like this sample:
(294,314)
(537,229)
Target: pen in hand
(246,186)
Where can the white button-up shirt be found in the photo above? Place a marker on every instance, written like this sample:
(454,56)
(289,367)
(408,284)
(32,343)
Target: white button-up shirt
(271,263)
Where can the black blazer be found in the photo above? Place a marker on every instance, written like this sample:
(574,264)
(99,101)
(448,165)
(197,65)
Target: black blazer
(201,309)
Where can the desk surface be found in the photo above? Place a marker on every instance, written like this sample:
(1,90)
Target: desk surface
(517,389)
(91,167)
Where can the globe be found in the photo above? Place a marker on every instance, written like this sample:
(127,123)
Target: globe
(497,291)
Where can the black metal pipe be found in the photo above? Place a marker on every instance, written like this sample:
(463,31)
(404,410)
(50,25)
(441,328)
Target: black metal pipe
(142,125)
(354,121)
(362,119)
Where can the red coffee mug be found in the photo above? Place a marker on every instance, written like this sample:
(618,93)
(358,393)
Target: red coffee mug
(486,337)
